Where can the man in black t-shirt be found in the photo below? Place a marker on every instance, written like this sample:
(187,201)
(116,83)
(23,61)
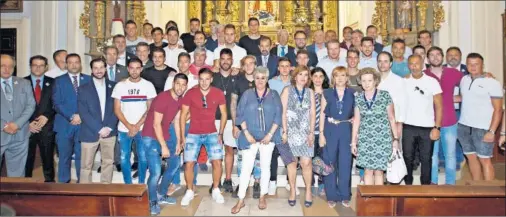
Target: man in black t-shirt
(158,74)
(226,82)
(251,41)
(188,38)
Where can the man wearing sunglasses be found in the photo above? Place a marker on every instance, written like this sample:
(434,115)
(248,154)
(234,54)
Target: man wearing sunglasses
(424,113)
(202,103)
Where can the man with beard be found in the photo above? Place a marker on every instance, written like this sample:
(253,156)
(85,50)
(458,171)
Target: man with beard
(245,81)
(399,34)
(368,55)
(372,31)
(200,41)
(448,78)
(132,98)
(300,44)
(188,38)
(202,103)
(99,124)
(400,64)
(226,82)
(163,111)
(67,121)
(266,59)
(159,73)
(251,41)
(346,43)
(333,58)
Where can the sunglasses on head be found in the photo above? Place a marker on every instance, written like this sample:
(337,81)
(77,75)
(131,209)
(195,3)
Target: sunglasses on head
(418,89)
(204,101)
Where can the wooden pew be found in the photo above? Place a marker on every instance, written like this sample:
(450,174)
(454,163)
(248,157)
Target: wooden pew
(431,200)
(54,199)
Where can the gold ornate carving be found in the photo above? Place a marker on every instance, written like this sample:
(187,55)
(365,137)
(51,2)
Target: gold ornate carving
(99,17)
(330,11)
(289,11)
(439,14)
(194,9)
(209,10)
(422,9)
(84,19)
(139,14)
(234,9)
(380,18)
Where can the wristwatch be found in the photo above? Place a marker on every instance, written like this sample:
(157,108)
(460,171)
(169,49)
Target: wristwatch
(396,139)
(503,133)
(437,128)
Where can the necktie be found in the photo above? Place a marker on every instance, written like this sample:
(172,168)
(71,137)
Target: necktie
(318,109)
(283,53)
(265,61)
(8,91)
(74,83)
(38,91)
(111,74)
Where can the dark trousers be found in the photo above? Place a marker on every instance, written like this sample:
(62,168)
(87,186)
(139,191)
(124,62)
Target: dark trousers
(337,152)
(417,138)
(317,152)
(45,140)
(117,153)
(274,164)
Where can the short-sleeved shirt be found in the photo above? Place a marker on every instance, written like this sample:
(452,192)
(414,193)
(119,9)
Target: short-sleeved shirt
(133,97)
(250,45)
(477,108)
(420,100)
(131,45)
(395,86)
(237,54)
(242,85)
(192,81)
(164,104)
(278,85)
(328,65)
(449,80)
(188,41)
(227,85)
(202,119)
(400,68)
(157,77)
(370,62)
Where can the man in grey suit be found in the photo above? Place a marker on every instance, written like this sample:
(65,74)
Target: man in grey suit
(18,105)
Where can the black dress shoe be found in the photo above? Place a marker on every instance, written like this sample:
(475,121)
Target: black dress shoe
(99,169)
(135,166)
(136,174)
(118,167)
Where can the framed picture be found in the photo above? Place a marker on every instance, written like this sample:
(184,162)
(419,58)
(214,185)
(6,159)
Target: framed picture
(11,6)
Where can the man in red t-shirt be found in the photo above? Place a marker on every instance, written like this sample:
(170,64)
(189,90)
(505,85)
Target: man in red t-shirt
(202,102)
(164,109)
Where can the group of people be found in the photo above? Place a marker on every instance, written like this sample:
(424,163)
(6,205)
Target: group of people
(201,97)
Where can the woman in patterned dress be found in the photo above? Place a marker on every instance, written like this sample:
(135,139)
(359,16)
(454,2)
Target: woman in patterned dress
(298,129)
(373,127)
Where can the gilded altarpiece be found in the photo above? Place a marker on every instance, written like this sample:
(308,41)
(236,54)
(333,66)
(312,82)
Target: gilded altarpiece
(273,15)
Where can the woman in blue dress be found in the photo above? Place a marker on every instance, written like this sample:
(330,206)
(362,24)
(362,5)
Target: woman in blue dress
(335,137)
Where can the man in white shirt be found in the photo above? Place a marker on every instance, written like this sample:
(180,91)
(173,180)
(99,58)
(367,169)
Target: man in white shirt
(424,112)
(200,41)
(333,58)
(367,54)
(482,101)
(59,60)
(119,42)
(183,64)
(399,34)
(172,50)
(237,52)
(131,36)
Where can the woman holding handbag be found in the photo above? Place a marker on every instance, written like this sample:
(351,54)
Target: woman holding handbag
(335,137)
(373,128)
(259,114)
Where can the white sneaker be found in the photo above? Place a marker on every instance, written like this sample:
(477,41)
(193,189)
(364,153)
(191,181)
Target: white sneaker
(217,197)
(297,192)
(272,188)
(187,198)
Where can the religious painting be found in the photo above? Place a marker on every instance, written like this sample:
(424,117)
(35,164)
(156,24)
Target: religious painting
(265,11)
(11,6)
(403,14)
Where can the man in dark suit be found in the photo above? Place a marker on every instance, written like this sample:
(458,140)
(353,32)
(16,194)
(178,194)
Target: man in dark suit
(143,52)
(282,48)
(99,124)
(319,42)
(124,57)
(300,41)
(67,120)
(266,59)
(42,120)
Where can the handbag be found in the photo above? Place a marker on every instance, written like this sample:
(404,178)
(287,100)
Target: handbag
(320,167)
(396,170)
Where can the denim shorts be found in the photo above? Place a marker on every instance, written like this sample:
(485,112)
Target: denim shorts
(471,140)
(195,141)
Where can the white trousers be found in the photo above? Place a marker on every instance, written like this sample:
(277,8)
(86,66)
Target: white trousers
(248,162)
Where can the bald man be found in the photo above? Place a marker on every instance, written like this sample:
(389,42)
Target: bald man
(282,48)
(318,42)
(18,105)
(399,34)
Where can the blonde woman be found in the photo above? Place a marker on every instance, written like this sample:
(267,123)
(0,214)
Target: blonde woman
(373,128)
(335,136)
(298,129)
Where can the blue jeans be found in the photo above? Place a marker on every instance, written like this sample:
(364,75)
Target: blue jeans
(448,142)
(459,153)
(68,144)
(125,143)
(195,141)
(153,153)
(177,166)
